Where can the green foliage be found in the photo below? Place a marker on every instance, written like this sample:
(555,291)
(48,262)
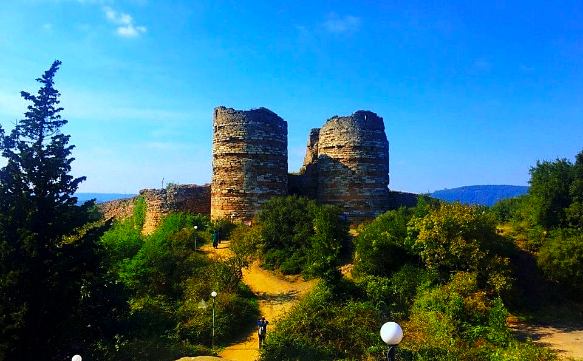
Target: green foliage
(561,259)
(324,326)
(169,286)
(246,242)
(394,295)
(51,282)
(457,321)
(381,246)
(550,183)
(455,237)
(139,213)
(327,243)
(466,308)
(224,227)
(297,235)
(286,226)
(513,210)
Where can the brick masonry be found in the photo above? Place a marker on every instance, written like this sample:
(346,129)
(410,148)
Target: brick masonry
(188,198)
(346,164)
(348,161)
(249,161)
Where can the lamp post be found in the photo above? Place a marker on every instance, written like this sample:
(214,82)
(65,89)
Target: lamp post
(213,295)
(195,230)
(392,334)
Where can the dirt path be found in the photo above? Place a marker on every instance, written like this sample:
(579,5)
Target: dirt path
(567,341)
(276,296)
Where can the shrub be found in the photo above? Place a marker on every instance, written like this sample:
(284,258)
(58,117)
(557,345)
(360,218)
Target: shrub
(395,295)
(296,235)
(456,237)
(166,280)
(457,321)
(381,246)
(324,326)
(246,242)
(561,259)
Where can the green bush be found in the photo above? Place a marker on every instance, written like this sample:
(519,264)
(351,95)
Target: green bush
(381,246)
(458,321)
(456,237)
(324,326)
(296,235)
(246,242)
(561,259)
(282,347)
(167,281)
(395,295)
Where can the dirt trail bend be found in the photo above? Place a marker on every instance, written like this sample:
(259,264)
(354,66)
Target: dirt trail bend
(566,340)
(276,295)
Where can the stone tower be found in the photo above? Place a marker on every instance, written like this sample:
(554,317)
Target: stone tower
(249,161)
(352,164)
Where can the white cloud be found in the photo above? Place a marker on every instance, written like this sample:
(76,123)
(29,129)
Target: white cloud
(130,31)
(126,26)
(341,24)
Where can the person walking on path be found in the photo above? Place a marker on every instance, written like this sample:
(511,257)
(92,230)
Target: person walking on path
(262,330)
(215,239)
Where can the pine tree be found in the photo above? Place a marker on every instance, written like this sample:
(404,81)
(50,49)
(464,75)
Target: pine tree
(40,271)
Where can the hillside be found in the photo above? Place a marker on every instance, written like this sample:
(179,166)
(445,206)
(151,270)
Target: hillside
(486,195)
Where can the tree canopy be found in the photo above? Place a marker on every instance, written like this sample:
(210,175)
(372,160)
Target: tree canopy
(45,257)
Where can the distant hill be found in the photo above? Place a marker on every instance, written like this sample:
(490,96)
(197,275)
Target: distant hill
(101,197)
(486,195)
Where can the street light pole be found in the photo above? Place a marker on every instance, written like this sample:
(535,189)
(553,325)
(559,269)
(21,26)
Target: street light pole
(213,295)
(195,230)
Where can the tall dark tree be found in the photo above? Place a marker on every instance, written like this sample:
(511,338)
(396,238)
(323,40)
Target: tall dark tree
(42,262)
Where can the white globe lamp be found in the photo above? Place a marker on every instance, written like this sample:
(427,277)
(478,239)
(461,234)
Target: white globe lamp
(76,358)
(392,334)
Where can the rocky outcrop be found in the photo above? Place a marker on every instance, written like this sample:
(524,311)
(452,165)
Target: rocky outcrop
(249,161)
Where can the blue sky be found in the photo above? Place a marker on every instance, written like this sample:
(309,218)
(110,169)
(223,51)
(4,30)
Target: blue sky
(470,93)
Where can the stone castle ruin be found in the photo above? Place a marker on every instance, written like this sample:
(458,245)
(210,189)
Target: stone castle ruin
(249,161)
(346,164)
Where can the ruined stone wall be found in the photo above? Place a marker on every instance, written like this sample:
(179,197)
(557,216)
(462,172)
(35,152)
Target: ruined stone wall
(249,161)
(346,164)
(351,164)
(188,198)
(311,150)
(117,209)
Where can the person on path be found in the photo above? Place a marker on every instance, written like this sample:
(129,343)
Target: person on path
(215,239)
(262,330)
